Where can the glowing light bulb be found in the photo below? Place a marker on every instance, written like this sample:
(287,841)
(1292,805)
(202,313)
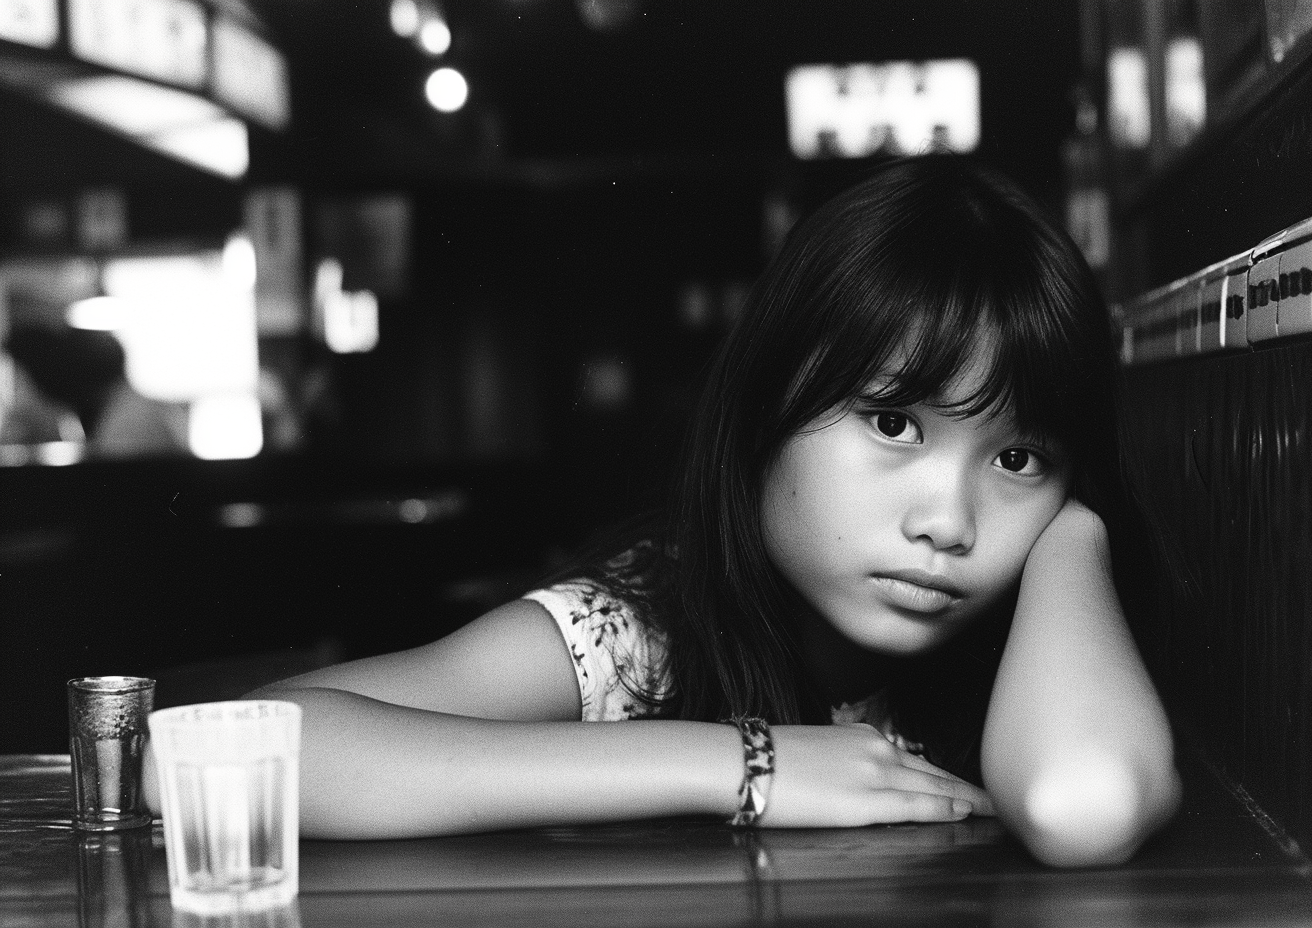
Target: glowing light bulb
(446,90)
(405,17)
(435,36)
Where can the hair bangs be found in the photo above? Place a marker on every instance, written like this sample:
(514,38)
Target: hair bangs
(932,362)
(915,340)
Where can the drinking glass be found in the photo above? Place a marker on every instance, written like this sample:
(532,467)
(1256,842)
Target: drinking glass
(228,787)
(107,739)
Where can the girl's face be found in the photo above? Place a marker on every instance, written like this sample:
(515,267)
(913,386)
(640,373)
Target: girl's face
(900,525)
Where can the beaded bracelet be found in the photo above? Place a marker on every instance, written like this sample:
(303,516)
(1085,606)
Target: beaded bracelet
(758,769)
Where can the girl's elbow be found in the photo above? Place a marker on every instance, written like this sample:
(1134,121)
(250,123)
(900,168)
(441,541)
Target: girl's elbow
(1095,811)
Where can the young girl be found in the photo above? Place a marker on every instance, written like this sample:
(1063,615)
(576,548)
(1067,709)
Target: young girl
(884,577)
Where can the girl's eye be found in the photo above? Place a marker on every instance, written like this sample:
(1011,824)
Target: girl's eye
(1021,461)
(898,426)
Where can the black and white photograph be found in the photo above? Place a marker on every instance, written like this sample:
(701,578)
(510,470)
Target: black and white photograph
(655,463)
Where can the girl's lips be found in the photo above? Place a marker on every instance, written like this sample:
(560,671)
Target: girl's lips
(912,596)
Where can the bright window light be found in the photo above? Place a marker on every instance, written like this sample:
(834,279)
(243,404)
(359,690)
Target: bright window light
(404,15)
(239,262)
(1127,98)
(904,107)
(225,426)
(100,313)
(446,90)
(435,36)
(190,327)
(1186,93)
(60,453)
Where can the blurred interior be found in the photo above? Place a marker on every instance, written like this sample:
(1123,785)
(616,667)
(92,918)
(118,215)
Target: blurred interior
(340,385)
(328,325)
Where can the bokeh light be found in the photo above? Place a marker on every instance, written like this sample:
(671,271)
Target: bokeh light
(446,90)
(435,36)
(405,18)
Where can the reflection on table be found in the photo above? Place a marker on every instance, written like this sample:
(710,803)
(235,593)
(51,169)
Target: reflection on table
(1214,866)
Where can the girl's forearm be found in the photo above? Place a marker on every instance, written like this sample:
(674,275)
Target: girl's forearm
(370,769)
(1077,751)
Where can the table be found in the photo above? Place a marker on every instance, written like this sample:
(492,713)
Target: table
(1216,865)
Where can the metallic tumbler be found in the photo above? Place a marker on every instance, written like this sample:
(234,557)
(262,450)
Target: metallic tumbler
(107,738)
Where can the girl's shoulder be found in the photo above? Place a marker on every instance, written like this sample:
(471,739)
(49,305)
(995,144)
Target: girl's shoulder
(620,654)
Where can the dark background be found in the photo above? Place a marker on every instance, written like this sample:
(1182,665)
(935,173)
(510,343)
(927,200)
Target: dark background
(558,219)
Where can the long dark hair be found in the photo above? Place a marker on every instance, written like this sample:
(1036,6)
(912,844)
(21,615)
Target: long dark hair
(913,263)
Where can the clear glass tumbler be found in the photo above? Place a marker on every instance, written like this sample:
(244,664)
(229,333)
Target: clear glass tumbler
(107,739)
(228,774)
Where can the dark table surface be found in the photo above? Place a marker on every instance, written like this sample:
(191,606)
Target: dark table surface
(1218,864)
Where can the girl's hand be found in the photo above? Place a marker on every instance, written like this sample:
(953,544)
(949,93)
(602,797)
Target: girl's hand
(851,775)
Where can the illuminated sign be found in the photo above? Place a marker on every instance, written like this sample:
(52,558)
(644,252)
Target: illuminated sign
(160,39)
(896,108)
(172,61)
(250,75)
(30,22)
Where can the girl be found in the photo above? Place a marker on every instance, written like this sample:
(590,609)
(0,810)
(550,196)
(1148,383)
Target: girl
(886,575)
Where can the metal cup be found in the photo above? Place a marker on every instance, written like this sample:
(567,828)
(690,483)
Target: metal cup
(107,732)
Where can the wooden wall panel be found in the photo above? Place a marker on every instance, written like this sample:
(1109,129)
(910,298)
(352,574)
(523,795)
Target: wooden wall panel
(1223,456)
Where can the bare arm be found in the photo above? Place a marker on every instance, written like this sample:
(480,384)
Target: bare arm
(372,769)
(1077,751)
(479,731)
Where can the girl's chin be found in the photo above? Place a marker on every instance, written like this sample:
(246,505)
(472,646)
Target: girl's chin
(899,638)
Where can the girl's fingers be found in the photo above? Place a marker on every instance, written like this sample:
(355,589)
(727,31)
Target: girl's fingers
(889,806)
(907,759)
(977,797)
(917,781)
(914,781)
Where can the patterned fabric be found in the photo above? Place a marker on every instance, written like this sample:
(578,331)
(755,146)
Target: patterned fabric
(611,644)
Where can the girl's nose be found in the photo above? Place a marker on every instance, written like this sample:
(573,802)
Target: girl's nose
(942,511)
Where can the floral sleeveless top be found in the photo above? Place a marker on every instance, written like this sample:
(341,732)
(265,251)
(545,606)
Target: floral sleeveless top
(611,645)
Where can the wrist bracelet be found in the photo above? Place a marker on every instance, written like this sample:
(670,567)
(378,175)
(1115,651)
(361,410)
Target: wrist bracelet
(758,769)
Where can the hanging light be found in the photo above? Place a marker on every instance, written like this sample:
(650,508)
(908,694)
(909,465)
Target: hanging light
(435,36)
(404,15)
(424,22)
(446,90)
